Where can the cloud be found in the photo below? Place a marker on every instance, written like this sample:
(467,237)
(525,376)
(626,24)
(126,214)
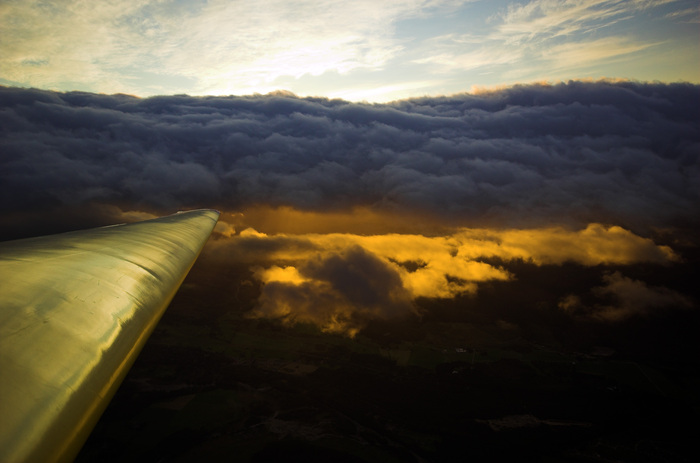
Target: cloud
(459,254)
(627,298)
(522,22)
(570,56)
(339,292)
(340,281)
(224,229)
(594,245)
(570,154)
(362,209)
(363,49)
(218,47)
(687,15)
(544,39)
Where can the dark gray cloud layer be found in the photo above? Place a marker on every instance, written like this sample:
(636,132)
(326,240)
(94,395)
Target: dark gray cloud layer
(570,153)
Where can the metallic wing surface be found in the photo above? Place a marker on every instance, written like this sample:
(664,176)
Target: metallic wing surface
(75,311)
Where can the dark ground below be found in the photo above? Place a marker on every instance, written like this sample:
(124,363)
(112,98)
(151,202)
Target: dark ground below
(461,383)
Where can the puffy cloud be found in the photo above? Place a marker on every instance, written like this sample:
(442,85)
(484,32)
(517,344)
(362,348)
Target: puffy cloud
(339,281)
(594,245)
(426,266)
(575,153)
(224,229)
(626,298)
(339,292)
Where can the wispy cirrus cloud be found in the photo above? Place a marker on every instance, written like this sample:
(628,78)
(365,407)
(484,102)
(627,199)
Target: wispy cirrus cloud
(379,51)
(549,19)
(548,39)
(568,56)
(687,15)
(218,46)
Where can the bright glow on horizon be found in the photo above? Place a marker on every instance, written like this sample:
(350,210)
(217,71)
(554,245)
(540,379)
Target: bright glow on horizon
(363,50)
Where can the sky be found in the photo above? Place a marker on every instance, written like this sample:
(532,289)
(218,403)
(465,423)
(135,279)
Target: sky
(520,170)
(364,50)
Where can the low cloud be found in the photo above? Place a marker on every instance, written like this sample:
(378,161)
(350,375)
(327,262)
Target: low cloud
(340,281)
(224,229)
(339,292)
(594,245)
(626,298)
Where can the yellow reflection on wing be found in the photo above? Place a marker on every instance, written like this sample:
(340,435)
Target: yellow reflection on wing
(75,310)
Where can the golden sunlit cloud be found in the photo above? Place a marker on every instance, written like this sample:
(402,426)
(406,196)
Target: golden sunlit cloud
(337,291)
(594,245)
(339,281)
(225,229)
(279,274)
(358,220)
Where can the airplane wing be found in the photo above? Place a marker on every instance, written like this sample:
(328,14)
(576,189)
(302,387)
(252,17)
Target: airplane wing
(75,311)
